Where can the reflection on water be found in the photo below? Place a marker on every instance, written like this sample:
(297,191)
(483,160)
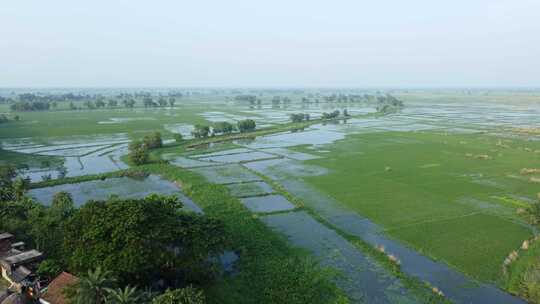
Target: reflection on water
(124,187)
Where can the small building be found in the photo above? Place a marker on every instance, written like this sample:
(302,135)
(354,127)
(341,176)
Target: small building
(17,266)
(5,242)
(54,293)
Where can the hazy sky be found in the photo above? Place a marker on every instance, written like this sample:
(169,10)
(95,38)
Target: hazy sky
(270,43)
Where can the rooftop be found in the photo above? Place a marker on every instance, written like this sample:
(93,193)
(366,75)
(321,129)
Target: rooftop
(54,293)
(23,257)
(5,236)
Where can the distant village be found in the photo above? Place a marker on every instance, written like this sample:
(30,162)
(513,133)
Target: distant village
(19,283)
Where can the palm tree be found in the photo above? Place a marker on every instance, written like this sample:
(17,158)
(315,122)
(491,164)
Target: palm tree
(92,288)
(128,295)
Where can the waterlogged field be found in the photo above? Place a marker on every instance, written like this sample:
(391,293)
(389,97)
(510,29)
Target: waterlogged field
(442,183)
(453,197)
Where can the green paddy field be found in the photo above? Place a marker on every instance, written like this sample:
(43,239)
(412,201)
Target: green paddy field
(435,192)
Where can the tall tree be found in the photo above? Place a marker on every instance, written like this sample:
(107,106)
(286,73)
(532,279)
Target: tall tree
(127,295)
(92,288)
(144,240)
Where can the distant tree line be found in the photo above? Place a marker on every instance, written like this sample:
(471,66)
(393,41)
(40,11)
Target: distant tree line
(149,102)
(203,131)
(388,104)
(27,106)
(35,102)
(251,99)
(299,117)
(5,118)
(330,115)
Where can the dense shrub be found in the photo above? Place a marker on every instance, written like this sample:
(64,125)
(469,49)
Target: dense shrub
(200,131)
(246,125)
(299,117)
(332,115)
(187,295)
(530,283)
(141,241)
(223,127)
(153,141)
(138,153)
(27,106)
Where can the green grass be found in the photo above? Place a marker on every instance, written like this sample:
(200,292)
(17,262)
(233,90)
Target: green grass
(422,188)
(514,276)
(65,122)
(475,244)
(86,122)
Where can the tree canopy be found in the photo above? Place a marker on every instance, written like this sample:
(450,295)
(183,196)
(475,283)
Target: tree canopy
(246,125)
(141,240)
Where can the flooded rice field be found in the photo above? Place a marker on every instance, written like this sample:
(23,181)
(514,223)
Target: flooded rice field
(250,189)
(455,285)
(282,168)
(290,139)
(363,280)
(238,157)
(227,174)
(244,169)
(267,203)
(81,156)
(124,187)
(186,162)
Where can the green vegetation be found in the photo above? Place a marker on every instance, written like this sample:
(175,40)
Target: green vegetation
(419,288)
(425,191)
(264,278)
(47,124)
(178,137)
(153,141)
(187,295)
(135,242)
(200,131)
(522,267)
(522,275)
(147,231)
(246,125)
(462,199)
(138,152)
(299,117)
(223,127)
(21,160)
